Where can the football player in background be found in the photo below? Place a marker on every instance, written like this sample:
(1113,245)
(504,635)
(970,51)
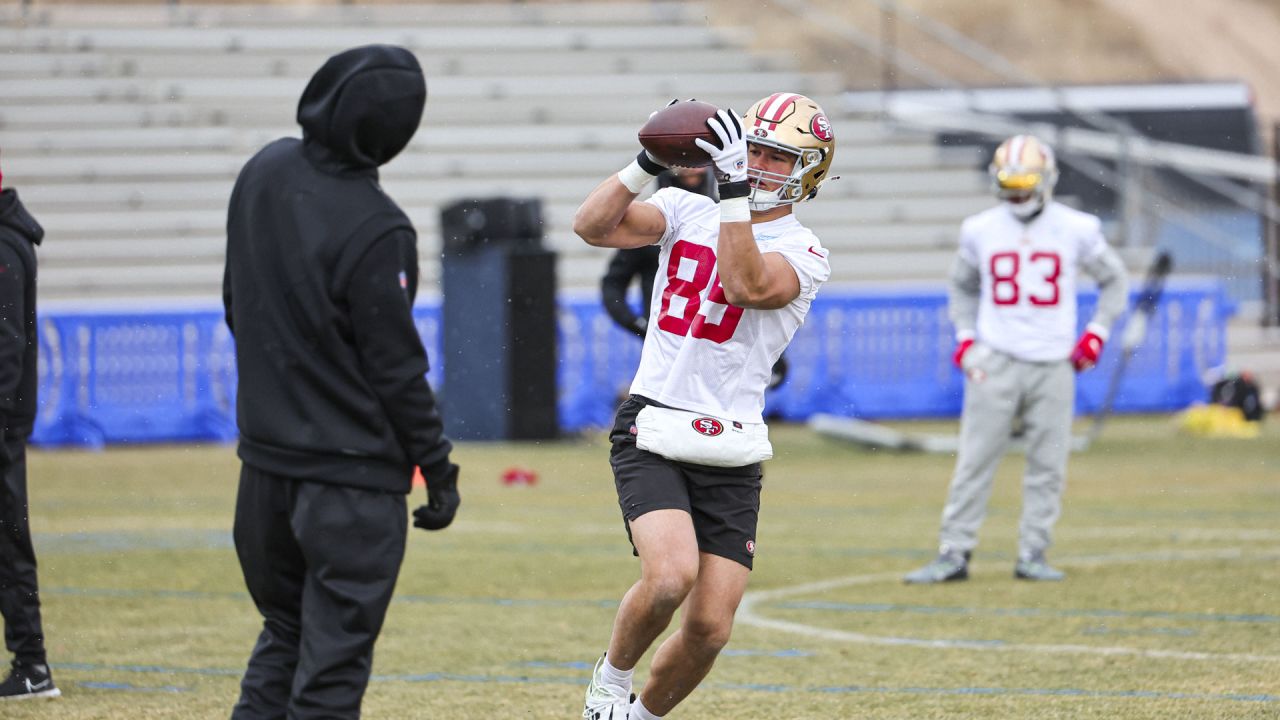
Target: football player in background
(734,283)
(1013,304)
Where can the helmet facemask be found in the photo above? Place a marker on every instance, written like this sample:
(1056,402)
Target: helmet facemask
(786,189)
(794,125)
(1023,173)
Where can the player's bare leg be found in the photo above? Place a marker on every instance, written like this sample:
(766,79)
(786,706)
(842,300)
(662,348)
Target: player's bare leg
(685,658)
(669,566)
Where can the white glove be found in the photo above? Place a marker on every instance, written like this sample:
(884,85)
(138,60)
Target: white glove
(730,158)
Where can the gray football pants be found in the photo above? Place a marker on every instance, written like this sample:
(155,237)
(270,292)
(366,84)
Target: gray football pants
(1043,395)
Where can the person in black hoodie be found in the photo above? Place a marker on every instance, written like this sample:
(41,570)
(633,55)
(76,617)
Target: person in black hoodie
(29,674)
(333,407)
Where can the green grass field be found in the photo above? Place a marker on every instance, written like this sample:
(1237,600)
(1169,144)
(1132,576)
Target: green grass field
(1171,608)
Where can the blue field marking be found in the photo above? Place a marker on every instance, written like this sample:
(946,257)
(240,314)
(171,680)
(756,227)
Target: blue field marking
(1029,612)
(543,664)
(1104,630)
(159,669)
(756,687)
(788,653)
(504,602)
(95,685)
(801,605)
(1049,692)
(120,541)
(133,593)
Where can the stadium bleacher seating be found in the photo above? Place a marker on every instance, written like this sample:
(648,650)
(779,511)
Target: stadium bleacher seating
(125,127)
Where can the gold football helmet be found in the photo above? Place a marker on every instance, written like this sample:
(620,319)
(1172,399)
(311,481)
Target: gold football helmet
(1023,173)
(794,124)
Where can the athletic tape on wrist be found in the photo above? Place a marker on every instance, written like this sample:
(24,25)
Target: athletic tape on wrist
(634,177)
(735,210)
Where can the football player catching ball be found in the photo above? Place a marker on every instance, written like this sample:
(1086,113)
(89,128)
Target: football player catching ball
(734,283)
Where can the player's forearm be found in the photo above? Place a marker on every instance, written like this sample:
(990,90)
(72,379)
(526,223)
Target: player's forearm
(602,211)
(743,273)
(962,297)
(1113,287)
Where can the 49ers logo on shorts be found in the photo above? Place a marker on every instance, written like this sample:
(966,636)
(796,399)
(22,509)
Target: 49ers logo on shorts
(751,548)
(708,426)
(820,126)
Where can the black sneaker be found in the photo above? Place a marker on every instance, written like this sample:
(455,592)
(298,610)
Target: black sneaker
(26,682)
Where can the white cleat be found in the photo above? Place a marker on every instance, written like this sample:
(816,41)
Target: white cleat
(605,701)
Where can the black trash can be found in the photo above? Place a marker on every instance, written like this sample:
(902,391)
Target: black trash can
(499,322)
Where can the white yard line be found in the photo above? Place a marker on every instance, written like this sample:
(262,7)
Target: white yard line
(749,615)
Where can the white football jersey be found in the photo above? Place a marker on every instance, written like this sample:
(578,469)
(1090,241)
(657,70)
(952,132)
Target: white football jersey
(701,353)
(1027,306)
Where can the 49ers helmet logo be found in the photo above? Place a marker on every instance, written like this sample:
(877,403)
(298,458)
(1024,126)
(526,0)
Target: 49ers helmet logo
(820,126)
(708,426)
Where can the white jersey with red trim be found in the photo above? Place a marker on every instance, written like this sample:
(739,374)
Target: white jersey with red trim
(1027,304)
(701,353)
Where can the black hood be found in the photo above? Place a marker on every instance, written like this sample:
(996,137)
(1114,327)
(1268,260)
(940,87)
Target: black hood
(364,104)
(15,216)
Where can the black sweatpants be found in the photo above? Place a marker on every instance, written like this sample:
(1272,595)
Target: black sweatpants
(19,596)
(320,561)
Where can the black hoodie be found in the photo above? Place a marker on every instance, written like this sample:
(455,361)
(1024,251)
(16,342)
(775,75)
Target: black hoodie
(19,233)
(322,269)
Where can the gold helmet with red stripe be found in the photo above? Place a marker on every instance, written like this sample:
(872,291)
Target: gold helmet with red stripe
(1023,173)
(796,125)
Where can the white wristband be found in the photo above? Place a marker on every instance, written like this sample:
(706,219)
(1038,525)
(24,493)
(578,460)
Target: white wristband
(634,178)
(1101,331)
(735,210)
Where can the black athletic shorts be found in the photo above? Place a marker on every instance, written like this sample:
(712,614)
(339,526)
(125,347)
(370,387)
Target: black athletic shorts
(723,502)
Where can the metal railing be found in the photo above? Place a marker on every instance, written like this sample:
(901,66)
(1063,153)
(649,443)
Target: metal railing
(1105,136)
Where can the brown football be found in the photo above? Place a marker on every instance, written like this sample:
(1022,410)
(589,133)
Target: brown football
(669,134)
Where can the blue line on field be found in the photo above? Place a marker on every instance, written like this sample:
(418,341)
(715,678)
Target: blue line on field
(118,541)
(608,604)
(412,599)
(207,539)
(844,689)
(161,669)
(1028,612)
(136,593)
(1104,630)
(93,685)
(728,652)
(1050,692)
(576,665)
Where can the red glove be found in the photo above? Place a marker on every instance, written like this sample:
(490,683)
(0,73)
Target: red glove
(1088,348)
(962,347)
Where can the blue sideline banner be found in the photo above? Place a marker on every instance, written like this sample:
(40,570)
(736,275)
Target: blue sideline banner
(169,376)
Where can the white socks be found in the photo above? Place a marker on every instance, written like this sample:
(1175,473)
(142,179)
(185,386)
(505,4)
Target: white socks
(640,712)
(613,676)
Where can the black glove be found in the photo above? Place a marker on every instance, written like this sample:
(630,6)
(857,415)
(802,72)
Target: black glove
(442,501)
